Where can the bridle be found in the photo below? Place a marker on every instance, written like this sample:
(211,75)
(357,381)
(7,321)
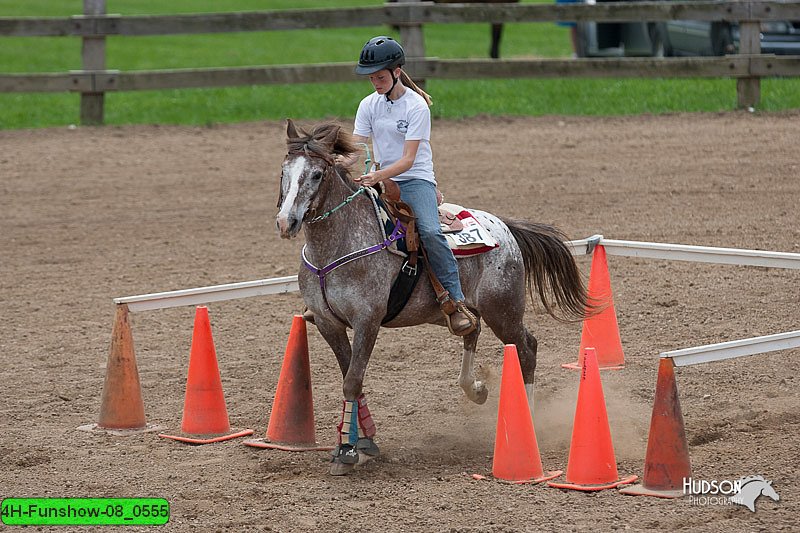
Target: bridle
(329,169)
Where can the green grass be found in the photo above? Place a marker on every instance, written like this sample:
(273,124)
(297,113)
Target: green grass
(453,98)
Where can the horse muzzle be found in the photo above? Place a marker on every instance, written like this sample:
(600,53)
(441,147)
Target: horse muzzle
(288,226)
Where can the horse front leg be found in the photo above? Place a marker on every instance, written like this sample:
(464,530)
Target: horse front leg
(356,428)
(335,334)
(474,389)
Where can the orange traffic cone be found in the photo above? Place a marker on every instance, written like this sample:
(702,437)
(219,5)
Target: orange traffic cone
(291,424)
(205,417)
(667,463)
(516,452)
(601,330)
(121,407)
(592,465)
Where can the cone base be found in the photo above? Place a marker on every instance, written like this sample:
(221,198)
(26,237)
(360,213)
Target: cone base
(119,432)
(207,440)
(577,366)
(641,490)
(287,447)
(590,488)
(546,476)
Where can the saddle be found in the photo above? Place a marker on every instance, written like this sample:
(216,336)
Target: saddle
(390,195)
(450,222)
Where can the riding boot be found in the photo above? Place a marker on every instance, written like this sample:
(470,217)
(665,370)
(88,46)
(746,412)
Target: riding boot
(460,320)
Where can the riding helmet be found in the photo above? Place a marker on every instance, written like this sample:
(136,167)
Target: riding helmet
(379,53)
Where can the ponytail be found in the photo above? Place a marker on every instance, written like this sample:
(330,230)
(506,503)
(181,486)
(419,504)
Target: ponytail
(408,82)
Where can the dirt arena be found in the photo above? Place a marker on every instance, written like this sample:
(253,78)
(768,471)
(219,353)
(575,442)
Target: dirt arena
(95,213)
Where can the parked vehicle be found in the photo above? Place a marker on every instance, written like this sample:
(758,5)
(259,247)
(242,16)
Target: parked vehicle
(680,38)
(696,38)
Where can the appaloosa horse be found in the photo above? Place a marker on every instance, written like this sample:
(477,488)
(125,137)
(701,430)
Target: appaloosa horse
(346,275)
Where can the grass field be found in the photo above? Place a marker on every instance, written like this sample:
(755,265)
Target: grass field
(452,98)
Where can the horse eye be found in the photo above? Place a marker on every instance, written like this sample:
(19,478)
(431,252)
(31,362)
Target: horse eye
(317,175)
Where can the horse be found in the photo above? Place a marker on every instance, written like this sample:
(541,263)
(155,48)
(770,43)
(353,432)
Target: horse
(497,28)
(351,291)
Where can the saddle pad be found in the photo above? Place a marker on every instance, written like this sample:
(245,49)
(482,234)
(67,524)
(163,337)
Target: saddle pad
(473,239)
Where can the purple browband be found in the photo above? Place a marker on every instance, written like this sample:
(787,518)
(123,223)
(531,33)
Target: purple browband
(398,232)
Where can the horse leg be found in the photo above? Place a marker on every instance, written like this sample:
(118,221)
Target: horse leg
(515,332)
(474,389)
(335,335)
(356,429)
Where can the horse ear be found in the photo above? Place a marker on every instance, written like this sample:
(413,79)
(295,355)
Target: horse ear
(291,131)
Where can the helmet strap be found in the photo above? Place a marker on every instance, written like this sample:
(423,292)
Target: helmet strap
(394,83)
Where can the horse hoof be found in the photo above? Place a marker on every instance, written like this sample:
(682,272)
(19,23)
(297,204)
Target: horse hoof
(481,397)
(365,458)
(479,393)
(341,469)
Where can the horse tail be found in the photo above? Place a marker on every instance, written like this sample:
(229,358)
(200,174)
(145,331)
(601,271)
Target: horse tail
(551,269)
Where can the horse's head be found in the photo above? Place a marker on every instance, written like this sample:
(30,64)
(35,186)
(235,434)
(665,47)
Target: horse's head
(307,171)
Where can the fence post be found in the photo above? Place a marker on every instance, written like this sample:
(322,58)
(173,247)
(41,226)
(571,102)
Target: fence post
(748,90)
(93,57)
(413,41)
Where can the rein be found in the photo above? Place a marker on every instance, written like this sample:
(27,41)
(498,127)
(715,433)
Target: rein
(350,198)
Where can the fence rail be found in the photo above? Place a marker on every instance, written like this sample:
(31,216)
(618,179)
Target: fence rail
(94,80)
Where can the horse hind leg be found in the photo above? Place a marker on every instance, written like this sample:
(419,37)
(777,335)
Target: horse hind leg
(517,334)
(475,389)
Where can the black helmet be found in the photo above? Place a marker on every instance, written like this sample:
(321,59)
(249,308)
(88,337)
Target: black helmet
(380,53)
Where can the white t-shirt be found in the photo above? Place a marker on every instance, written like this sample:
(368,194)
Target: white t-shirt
(391,124)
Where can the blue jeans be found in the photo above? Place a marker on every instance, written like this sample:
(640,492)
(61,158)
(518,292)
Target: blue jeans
(421,196)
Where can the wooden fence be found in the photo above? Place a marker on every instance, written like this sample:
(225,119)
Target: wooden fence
(94,25)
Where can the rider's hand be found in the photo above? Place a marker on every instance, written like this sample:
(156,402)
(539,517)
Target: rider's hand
(369,179)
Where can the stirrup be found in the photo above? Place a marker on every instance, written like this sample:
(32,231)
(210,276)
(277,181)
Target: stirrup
(460,307)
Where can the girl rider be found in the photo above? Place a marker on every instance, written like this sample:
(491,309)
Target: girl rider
(397,118)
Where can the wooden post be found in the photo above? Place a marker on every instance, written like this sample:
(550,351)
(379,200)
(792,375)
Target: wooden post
(413,41)
(748,90)
(93,56)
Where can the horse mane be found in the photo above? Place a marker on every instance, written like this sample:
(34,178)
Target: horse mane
(325,141)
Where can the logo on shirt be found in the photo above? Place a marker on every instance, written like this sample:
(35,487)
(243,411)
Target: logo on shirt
(402,126)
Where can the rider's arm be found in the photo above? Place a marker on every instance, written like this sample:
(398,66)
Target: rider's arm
(405,162)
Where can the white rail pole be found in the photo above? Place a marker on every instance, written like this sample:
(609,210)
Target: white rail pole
(215,293)
(700,254)
(679,252)
(732,349)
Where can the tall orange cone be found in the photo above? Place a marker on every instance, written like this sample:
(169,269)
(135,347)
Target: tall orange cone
(205,417)
(121,406)
(516,452)
(666,463)
(601,331)
(592,465)
(291,424)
